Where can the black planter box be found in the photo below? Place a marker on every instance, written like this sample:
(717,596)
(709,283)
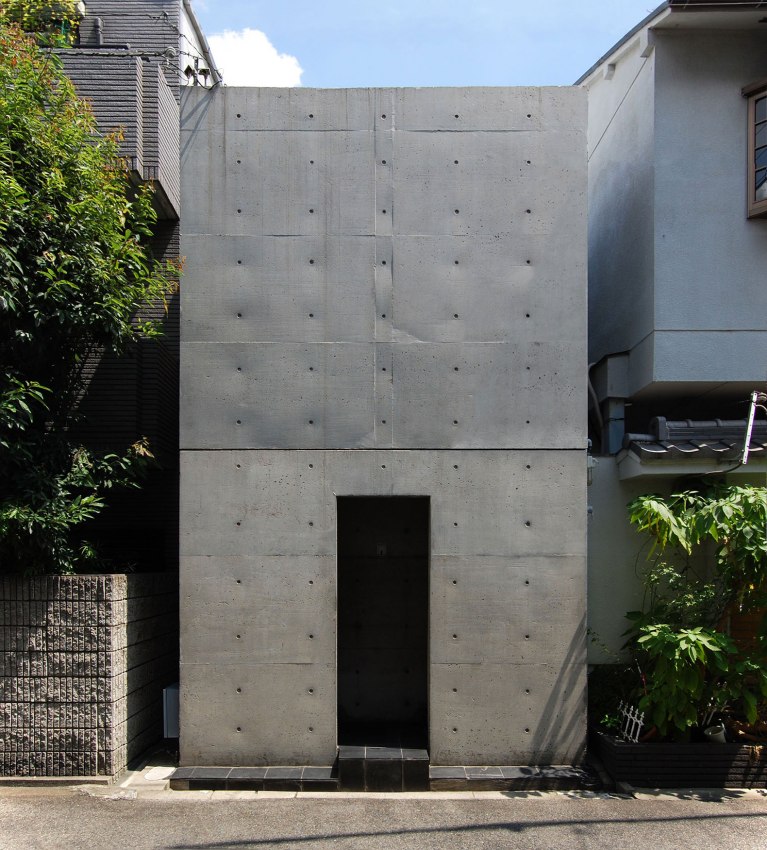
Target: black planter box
(705,765)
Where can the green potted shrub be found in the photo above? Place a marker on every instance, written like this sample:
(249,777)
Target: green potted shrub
(706,559)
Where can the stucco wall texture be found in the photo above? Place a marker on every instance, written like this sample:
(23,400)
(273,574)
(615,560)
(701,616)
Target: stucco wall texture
(384,295)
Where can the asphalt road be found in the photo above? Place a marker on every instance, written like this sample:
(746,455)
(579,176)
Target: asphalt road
(32,819)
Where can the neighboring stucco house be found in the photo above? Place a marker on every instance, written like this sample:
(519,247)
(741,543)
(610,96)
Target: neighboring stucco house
(677,253)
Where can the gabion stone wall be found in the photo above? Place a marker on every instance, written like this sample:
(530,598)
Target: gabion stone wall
(83,660)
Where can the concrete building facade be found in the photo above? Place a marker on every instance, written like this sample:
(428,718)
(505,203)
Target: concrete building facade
(383,496)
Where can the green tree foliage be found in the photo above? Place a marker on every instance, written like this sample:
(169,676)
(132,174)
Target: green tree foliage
(54,22)
(690,665)
(74,271)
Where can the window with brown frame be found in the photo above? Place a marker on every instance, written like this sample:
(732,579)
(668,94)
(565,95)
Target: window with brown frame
(757,148)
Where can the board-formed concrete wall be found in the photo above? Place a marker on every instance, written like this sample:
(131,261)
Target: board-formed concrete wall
(384,295)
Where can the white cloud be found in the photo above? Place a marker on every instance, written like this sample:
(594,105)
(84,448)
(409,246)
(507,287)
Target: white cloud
(248,58)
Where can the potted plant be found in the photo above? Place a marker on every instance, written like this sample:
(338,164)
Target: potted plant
(706,560)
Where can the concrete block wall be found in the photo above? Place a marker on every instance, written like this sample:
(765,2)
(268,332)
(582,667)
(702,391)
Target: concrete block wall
(384,295)
(149,25)
(83,660)
(113,84)
(162,141)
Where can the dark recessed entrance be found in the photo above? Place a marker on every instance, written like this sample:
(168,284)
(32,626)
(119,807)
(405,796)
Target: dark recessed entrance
(383,621)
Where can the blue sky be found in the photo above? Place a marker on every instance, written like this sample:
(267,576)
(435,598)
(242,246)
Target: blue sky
(342,43)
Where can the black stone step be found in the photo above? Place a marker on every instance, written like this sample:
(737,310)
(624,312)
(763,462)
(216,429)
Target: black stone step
(386,769)
(514,778)
(306,778)
(383,769)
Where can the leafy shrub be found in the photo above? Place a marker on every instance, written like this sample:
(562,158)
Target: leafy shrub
(74,271)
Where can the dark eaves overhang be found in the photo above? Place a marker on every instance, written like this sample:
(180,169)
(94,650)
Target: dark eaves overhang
(710,5)
(683,14)
(692,447)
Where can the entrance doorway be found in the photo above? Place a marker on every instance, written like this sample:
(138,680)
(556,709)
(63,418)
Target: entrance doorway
(383,621)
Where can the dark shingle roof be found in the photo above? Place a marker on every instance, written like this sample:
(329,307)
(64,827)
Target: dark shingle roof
(721,439)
